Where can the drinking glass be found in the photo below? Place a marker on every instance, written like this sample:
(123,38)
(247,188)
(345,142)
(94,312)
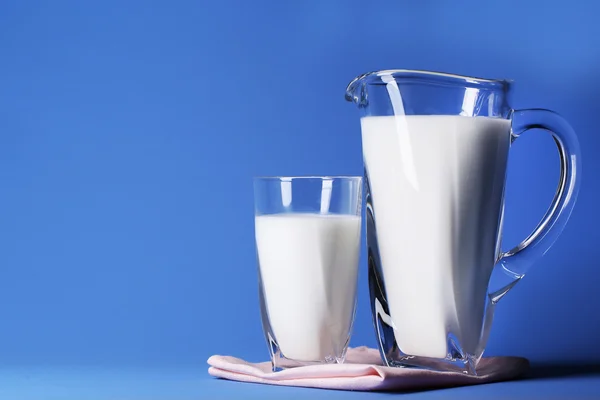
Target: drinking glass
(307,232)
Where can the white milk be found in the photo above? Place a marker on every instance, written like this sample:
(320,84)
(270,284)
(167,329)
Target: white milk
(308,265)
(437,188)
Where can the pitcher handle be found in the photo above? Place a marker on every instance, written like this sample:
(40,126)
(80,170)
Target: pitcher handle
(514,263)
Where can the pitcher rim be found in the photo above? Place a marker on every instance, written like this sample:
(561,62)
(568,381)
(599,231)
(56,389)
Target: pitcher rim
(434,77)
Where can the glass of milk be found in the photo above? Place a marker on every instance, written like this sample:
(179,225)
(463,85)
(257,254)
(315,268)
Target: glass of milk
(308,232)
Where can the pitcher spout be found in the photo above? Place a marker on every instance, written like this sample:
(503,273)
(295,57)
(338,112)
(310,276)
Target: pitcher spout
(356,91)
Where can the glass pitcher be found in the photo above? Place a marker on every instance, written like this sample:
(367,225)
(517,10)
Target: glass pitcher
(435,149)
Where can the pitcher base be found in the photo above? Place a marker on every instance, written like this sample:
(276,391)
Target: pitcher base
(466,365)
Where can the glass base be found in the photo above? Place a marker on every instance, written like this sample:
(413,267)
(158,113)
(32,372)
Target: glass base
(279,362)
(333,351)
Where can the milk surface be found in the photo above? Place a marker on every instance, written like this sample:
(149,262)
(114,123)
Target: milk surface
(437,191)
(308,265)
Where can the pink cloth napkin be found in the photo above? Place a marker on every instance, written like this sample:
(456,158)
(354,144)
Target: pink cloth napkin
(363,371)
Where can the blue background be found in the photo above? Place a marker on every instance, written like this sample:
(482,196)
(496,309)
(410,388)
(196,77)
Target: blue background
(130,133)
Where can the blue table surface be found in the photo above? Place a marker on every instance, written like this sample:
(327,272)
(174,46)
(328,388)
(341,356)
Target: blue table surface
(547,382)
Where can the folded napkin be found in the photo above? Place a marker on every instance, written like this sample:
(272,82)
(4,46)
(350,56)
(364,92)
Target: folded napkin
(363,371)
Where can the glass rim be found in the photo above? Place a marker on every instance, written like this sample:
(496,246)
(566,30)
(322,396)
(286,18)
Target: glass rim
(307,177)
